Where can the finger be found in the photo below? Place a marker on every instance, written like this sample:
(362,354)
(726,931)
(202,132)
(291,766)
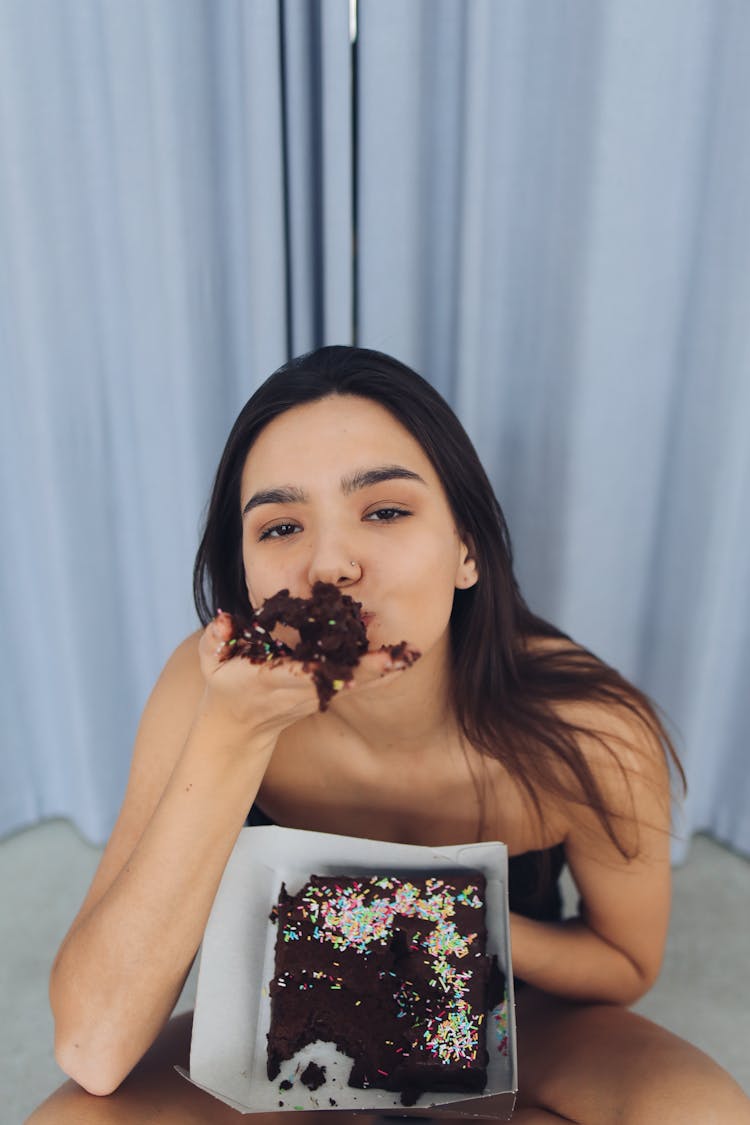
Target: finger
(216,635)
(382,664)
(222,626)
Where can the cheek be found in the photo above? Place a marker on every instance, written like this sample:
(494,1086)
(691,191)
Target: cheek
(264,576)
(422,588)
(253,579)
(418,590)
(432,562)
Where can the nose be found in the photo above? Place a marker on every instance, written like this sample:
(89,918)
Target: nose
(335,565)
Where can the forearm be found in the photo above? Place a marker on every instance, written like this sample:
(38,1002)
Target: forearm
(120,970)
(570,960)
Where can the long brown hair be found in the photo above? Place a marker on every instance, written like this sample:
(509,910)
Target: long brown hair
(507,692)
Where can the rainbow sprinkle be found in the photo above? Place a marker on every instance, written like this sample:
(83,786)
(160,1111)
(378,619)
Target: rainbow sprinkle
(500,1020)
(454,1037)
(362,914)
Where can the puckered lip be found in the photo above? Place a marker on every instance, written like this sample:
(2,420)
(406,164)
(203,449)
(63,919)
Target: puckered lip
(366,617)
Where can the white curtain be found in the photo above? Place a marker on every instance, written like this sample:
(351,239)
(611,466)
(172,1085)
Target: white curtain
(154,268)
(554,227)
(550,226)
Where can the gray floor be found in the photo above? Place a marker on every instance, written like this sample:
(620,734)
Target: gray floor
(703,993)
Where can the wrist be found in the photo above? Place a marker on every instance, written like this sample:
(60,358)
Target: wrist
(219,727)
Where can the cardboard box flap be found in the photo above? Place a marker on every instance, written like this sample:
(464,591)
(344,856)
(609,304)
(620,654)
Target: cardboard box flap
(232,1012)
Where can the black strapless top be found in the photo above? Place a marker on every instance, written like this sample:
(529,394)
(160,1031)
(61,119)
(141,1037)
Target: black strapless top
(533,877)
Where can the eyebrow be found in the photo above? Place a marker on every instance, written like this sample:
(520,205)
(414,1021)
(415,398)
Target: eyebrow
(363,478)
(354,482)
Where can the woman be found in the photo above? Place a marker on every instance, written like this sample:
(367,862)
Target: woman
(345,466)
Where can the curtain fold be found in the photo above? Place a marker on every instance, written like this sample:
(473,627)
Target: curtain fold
(551,231)
(550,227)
(144,168)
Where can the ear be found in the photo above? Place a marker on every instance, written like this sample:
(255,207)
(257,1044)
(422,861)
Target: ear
(467,574)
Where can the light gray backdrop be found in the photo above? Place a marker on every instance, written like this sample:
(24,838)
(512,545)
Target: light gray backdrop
(552,227)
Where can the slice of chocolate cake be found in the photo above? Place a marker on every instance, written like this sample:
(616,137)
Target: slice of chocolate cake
(394,971)
(332,637)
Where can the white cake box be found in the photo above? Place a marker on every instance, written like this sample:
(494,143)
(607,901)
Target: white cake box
(232,1010)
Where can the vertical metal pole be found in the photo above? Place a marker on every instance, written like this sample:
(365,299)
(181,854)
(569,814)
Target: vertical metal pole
(289,289)
(354,113)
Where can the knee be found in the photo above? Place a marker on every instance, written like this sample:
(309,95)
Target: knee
(674,1096)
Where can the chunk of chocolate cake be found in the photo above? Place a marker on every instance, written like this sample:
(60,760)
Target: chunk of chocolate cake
(394,971)
(332,635)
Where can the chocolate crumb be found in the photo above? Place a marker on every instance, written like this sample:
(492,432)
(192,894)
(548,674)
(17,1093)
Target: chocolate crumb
(333,637)
(313,1076)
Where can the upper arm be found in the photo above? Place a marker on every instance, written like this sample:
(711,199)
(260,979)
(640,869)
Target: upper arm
(625,901)
(162,732)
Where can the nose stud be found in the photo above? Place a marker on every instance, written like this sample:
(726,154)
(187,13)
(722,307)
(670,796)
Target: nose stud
(354,576)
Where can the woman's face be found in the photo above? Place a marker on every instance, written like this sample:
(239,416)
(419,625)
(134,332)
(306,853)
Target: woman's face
(339,482)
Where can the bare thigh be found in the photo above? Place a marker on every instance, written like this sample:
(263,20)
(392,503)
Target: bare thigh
(602,1064)
(154,1094)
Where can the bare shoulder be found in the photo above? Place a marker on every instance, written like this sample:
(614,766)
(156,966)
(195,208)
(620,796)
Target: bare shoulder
(620,733)
(628,767)
(621,751)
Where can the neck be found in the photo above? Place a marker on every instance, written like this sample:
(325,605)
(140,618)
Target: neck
(410,709)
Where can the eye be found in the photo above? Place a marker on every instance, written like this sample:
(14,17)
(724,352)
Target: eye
(387,515)
(279,531)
